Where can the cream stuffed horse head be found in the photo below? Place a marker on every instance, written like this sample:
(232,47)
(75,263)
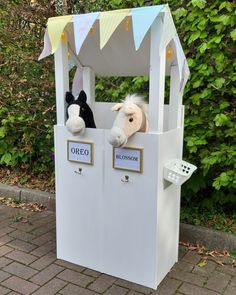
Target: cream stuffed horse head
(132,117)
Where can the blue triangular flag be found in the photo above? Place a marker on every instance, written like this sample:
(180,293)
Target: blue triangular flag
(82,26)
(142,19)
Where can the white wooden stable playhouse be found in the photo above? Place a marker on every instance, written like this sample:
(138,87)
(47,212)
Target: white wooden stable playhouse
(121,223)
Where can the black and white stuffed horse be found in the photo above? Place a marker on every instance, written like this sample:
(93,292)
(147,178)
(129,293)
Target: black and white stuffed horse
(79,113)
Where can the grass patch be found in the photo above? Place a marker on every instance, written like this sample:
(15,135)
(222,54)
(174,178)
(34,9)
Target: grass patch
(213,219)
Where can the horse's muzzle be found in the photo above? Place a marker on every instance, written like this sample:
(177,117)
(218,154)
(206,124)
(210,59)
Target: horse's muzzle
(117,137)
(75,125)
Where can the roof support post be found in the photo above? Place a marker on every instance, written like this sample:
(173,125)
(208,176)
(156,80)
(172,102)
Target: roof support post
(61,80)
(157,77)
(89,84)
(175,107)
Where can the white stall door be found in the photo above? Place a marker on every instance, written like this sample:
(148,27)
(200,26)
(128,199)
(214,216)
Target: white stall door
(130,215)
(79,201)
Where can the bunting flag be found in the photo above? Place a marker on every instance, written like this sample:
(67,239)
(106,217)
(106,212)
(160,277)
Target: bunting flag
(143,18)
(109,21)
(77,84)
(182,63)
(82,26)
(56,26)
(47,46)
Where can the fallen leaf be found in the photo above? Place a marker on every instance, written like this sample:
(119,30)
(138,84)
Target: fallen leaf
(202,264)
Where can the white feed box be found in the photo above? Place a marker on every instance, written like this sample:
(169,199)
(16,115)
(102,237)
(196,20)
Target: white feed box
(120,220)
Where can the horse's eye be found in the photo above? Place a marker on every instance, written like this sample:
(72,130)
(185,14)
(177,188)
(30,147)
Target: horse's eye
(82,109)
(131,119)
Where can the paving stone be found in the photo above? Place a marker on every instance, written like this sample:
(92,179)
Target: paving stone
(21,245)
(189,289)
(6,230)
(22,257)
(5,249)
(133,286)
(132,292)
(3,275)
(187,277)
(191,257)
(102,283)
(92,273)
(116,290)
(218,281)
(205,270)
(13,293)
(39,241)
(167,287)
(44,249)
(72,290)
(233,281)
(3,290)
(183,266)
(5,239)
(4,261)
(21,235)
(43,261)
(20,270)
(20,285)
(228,269)
(51,288)
(75,277)
(182,251)
(46,274)
(230,290)
(70,265)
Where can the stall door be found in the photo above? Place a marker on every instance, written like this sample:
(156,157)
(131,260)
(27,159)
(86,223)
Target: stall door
(79,200)
(130,215)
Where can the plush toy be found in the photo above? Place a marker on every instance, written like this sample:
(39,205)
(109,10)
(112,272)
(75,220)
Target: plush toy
(132,117)
(79,113)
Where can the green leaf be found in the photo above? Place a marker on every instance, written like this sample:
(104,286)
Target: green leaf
(233,254)
(6,159)
(194,36)
(233,34)
(219,82)
(202,264)
(221,120)
(2,132)
(199,3)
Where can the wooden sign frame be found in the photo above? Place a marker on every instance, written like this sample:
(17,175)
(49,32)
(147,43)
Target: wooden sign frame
(140,170)
(91,144)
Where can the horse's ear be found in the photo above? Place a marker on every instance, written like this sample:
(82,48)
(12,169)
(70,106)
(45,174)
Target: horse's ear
(117,107)
(82,96)
(69,97)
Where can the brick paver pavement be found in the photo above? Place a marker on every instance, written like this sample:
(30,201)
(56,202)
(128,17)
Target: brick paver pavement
(28,265)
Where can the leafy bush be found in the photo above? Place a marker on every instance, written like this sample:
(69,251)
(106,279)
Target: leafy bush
(206,29)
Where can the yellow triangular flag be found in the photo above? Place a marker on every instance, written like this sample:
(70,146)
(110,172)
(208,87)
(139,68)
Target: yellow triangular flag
(109,21)
(56,26)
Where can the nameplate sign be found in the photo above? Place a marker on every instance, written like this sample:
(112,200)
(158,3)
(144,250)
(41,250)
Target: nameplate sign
(128,158)
(80,151)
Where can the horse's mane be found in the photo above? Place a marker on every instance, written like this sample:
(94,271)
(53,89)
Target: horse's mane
(139,101)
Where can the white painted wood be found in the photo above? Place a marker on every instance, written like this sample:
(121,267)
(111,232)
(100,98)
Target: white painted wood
(61,80)
(175,108)
(79,201)
(125,229)
(168,200)
(169,28)
(157,78)
(89,84)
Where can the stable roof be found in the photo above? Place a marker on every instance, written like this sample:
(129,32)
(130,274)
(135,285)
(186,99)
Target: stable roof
(117,43)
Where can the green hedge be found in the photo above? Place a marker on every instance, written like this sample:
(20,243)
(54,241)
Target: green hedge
(206,29)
